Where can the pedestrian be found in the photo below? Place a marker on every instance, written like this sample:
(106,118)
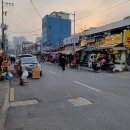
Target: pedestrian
(78,63)
(103,64)
(63,62)
(94,65)
(13,59)
(74,63)
(1,60)
(20,76)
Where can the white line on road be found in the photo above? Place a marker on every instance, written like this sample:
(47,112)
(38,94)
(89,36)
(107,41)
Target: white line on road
(53,72)
(97,90)
(12,94)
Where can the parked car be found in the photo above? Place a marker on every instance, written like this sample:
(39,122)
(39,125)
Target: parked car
(26,55)
(28,63)
(22,56)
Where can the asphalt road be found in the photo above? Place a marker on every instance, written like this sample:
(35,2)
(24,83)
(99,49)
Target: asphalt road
(72,100)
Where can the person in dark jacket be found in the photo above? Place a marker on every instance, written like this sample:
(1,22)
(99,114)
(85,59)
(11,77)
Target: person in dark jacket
(1,60)
(78,63)
(20,76)
(63,62)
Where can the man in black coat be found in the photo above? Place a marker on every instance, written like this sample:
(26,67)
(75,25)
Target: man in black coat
(63,62)
(1,60)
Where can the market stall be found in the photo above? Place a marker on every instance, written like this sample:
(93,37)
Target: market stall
(4,67)
(118,54)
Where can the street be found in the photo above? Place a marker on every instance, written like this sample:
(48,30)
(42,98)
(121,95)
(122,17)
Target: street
(71,100)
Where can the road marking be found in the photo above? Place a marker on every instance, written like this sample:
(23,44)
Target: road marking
(11,94)
(53,73)
(97,90)
(79,101)
(23,103)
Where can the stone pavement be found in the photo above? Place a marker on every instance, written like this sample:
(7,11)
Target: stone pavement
(4,101)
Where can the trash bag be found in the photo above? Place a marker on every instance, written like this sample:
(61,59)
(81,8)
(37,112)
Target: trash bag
(9,76)
(24,75)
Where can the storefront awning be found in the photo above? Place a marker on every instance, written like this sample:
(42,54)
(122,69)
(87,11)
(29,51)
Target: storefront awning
(79,49)
(66,52)
(108,46)
(119,48)
(92,49)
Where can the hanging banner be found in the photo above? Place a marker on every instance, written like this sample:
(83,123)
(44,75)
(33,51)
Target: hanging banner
(91,40)
(83,42)
(127,38)
(113,39)
(99,44)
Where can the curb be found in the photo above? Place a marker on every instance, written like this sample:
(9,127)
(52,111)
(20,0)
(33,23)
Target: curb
(4,104)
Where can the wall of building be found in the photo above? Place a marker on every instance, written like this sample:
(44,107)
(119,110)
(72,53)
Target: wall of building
(55,29)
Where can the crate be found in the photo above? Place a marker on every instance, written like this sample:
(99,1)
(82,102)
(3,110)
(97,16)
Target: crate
(5,64)
(35,73)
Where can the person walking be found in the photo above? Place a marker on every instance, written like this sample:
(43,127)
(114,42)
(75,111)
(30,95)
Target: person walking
(1,60)
(78,63)
(74,63)
(63,62)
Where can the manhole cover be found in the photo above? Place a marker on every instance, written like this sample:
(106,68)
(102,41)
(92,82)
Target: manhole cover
(79,101)
(23,103)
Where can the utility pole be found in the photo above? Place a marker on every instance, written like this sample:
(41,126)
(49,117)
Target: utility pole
(74,32)
(3,25)
(74,44)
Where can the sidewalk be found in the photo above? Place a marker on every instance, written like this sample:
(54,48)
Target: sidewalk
(86,68)
(4,101)
(126,73)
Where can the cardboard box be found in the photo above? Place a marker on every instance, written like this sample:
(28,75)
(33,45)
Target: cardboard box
(5,64)
(35,73)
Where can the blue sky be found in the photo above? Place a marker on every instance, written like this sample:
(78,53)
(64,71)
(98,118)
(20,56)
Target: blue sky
(22,19)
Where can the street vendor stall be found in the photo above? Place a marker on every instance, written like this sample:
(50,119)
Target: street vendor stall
(118,54)
(4,67)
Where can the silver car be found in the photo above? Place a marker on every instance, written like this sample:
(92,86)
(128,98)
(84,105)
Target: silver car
(28,63)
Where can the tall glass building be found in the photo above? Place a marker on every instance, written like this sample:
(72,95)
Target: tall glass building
(55,27)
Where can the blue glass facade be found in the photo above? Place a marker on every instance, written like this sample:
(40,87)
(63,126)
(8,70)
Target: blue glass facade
(55,29)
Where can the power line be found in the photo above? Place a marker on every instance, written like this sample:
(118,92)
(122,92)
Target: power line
(26,32)
(36,9)
(102,11)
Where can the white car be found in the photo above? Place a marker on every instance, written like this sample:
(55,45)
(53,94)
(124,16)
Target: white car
(29,63)
(26,55)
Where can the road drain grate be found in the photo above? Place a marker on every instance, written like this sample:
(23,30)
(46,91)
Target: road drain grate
(23,103)
(79,101)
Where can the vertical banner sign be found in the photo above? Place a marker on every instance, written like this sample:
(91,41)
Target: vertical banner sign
(127,38)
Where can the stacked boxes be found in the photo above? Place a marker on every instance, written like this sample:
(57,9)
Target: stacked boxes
(36,72)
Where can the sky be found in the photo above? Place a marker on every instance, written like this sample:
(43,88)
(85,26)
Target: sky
(23,19)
